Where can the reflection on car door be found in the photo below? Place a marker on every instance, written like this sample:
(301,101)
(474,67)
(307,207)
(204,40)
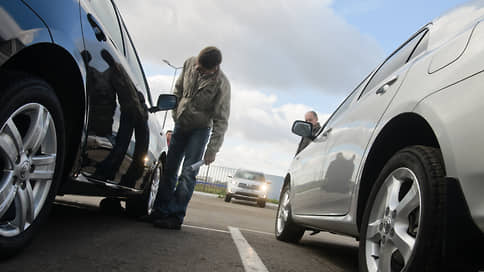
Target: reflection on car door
(111,90)
(308,166)
(349,131)
(305,174)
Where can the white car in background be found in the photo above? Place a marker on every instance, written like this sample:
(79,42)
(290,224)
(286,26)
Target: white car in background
(247,185)
(399,164)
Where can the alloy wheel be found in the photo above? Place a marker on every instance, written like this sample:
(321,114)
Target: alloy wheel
(394,222)
(155,183)
(28,149)
(283,212)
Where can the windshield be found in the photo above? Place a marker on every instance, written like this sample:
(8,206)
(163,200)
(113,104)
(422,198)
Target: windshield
(250,175)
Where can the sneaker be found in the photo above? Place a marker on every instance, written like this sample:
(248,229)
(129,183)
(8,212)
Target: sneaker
(168,223)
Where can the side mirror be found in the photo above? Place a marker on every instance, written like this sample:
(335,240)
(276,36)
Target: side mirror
(230,176)
(165,102)
(302,128)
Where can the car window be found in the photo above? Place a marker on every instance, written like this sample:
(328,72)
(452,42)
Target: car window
(106,14)
(250,175)
(421,46)
(347,102)
(395,61)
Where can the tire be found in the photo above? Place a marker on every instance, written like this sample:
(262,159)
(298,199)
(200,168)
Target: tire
(228,197)
(143,205)
(402,223)
(261,203)
(285,228)
(32,144)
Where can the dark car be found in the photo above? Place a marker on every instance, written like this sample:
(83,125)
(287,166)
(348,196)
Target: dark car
(76,113)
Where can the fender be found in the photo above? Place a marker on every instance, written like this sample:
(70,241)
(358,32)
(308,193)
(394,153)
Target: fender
(21,28)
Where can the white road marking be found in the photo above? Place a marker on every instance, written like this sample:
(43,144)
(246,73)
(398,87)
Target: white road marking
(250,259)
(203,228)
(257,231)
(205,194)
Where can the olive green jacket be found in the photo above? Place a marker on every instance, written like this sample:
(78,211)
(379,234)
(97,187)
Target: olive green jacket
(203,101)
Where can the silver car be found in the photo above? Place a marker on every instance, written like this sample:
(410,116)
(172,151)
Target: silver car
(247,185)
(399,164)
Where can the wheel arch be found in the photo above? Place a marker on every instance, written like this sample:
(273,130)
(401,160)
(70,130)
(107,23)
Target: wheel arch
(57,66)
(287,180)
(403,130)
(163,158)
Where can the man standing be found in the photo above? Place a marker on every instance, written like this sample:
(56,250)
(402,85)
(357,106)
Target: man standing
(311,117)
(203,94)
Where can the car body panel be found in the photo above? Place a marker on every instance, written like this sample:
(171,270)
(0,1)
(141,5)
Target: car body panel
(454,116)
(107,104)
(21,28)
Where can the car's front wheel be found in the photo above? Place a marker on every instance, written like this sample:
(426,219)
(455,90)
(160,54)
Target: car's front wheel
(286,229)
(402,224)
(31,158)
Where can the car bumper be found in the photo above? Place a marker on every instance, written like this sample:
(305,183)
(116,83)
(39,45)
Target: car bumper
(245,194)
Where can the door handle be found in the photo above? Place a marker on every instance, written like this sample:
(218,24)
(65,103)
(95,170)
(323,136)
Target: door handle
(326,133)
(383,89)
(100,36)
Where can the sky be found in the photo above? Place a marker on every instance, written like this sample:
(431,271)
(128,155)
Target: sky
(282,57)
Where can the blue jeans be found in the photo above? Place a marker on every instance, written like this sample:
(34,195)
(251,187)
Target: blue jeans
(171,201)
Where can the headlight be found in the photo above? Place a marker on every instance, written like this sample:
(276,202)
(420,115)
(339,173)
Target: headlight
(234,182)
(263,187)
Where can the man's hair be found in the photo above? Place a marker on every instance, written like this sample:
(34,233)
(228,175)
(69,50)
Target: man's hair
(210,57)
(314,114)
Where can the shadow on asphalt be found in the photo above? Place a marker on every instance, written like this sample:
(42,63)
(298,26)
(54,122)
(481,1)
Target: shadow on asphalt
(341,255)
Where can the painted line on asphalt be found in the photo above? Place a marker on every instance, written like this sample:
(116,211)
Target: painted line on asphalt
(257,231)
(205,194)
(224,231)
(250,259)
(203,228)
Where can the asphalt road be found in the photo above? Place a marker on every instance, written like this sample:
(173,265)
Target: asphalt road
(216,236)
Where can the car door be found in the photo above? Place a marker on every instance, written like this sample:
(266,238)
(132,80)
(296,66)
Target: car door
(307,167)
(109,87)
(146,143)
(349,131)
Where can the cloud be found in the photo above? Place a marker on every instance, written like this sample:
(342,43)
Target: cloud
(356,7)
(268,158)
(270,44)
(255,116)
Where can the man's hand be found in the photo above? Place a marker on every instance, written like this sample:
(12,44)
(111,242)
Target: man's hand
(208,158)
